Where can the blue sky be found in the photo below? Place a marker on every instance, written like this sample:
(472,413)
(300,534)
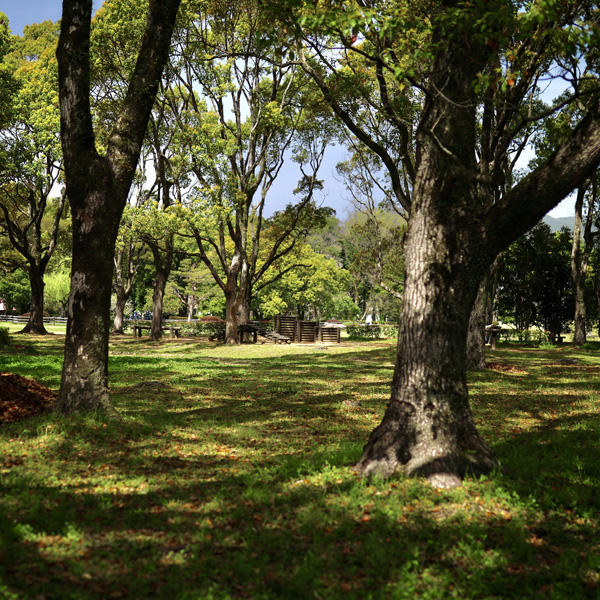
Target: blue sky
(26,12)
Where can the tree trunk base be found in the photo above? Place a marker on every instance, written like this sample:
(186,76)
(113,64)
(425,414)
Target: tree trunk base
(29,328)
(400,446)
(65,406)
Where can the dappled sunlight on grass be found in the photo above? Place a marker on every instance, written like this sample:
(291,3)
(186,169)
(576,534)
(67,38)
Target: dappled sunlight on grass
(230,475)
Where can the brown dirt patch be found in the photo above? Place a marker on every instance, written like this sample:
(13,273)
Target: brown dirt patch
(505,368)
(21,397)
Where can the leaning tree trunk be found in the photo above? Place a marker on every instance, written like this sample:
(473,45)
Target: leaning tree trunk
(35,324)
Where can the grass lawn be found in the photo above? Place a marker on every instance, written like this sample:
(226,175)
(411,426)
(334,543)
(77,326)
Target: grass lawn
(230,477)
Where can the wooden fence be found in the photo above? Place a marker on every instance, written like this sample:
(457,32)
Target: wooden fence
(24,319)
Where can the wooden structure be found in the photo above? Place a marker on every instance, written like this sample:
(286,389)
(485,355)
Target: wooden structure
(286,326)
(329,334)
(305,331)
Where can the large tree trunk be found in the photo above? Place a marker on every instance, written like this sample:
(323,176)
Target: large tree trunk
(235,315)
(428,429)
(578,269)
(97,188)
(35,324)
(452,239)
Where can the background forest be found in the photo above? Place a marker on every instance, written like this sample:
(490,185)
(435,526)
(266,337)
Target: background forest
(203,195)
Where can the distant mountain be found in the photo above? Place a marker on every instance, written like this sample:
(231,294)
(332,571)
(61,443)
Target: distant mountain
(557,224)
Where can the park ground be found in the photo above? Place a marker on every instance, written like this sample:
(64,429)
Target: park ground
(230,476)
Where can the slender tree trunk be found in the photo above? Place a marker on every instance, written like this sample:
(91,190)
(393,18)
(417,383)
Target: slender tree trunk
(578,273)
(120,303)
(123,284)
(192,304)
(36,309)
(476,332)
(478,320)
(158,294)
(163,263)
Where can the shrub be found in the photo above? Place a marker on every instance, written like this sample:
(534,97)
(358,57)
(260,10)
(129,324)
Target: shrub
(4,337)
(361,331)
(389,330)
(207,328)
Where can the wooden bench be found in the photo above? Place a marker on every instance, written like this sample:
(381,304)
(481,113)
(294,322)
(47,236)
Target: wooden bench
(138,328)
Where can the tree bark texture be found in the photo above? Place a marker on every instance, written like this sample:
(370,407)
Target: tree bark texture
(453,238)
(236,314)
(578,273)
(162,264)
(35,324)
(480,317)
(428,428)
(97,188)
(476,332)
(84,384)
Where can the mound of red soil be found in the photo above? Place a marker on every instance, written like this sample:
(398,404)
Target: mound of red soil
(21,397)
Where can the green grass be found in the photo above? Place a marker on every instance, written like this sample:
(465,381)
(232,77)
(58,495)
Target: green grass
(230,477)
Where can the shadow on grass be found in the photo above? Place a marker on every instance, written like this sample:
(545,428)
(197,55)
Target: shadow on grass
(276,540)
(229,478)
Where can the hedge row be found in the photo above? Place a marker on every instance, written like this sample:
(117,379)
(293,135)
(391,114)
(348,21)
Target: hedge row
(358,331)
